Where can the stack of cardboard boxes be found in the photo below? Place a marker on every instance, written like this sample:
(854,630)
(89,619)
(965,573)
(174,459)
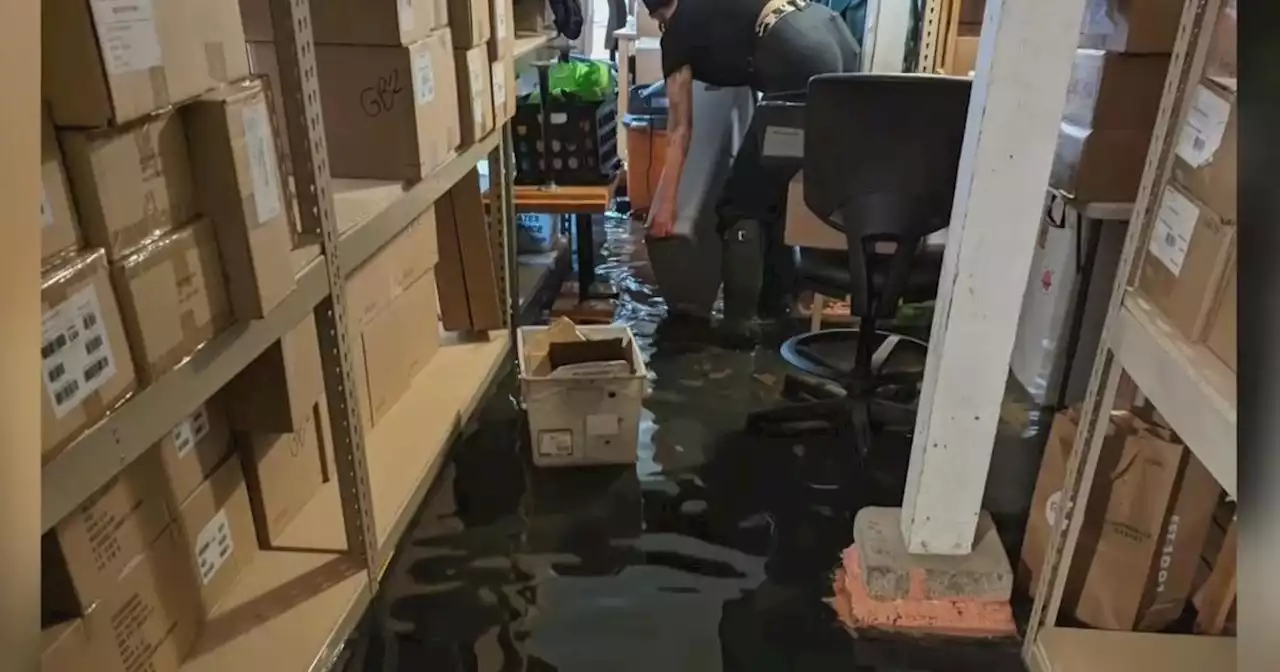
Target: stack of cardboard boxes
(1113,98)
(1188,268)
(164,222)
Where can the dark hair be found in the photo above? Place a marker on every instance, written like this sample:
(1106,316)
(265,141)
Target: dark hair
(655,5)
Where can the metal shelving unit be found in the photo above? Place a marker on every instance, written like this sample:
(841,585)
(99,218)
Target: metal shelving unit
(1193,391)
(296,607)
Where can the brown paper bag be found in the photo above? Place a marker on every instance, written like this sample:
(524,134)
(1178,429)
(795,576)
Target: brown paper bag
(1159,506)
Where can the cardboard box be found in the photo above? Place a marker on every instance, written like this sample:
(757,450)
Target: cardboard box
(172,298)
(394,338)
(1099,166)
(1185,261)
(151,620)
(502,37)
(395,346)
(390,113)
(1115,91)
(130,183)
(217,532)
(361,22)
(805,229)
(65,647)
(283,472)
(531,16)
(1131,26)
(469,21)
(1052,302)
(503,76)
(470,296)
(1221,338)
(377,282)
(86,553)
(237,176)
(965,58)
(59,233)
(193,450)
(1222,59)
(1206,155)
(275,393)
(107,64)
(475,94)
(86,367)
(583,387)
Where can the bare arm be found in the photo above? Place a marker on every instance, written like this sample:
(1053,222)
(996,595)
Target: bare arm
(679,131)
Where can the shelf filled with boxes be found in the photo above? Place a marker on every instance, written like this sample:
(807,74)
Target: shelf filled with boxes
(262,252)
(1166,366)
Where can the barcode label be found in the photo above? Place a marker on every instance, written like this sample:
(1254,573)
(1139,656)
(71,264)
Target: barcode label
(75,351)
(1175,222)
(263,170)
(190,431)
(424,80)
(555,443)
(213,546)
(1202,131)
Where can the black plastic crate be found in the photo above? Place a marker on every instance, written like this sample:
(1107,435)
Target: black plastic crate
(583,139)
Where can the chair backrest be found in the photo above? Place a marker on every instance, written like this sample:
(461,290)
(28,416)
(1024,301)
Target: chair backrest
(881,151)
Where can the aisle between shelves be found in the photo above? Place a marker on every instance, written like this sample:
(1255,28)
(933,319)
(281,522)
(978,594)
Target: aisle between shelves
(191,472)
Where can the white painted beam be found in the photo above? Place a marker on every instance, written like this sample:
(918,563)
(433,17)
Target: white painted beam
(1020,84)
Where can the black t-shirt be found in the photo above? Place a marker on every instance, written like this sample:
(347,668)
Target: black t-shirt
(715,38)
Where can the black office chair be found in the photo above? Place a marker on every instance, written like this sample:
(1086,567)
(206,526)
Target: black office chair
(881,152)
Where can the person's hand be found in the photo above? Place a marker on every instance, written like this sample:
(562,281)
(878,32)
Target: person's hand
(663,222)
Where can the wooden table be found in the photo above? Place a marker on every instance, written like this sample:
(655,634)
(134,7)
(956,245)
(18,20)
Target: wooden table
(574,201)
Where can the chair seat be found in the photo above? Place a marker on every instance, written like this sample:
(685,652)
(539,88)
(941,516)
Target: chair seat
(827,271)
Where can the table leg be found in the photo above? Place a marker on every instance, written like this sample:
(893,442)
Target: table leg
(586,255)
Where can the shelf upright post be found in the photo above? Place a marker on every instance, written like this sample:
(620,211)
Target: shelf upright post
(1185,63)
(295,47)
(501,238)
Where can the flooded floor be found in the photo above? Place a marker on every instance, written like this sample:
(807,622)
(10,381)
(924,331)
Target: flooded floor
(713,552)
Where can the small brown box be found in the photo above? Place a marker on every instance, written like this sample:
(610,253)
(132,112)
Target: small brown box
(503,74)
(217,529)
(1222,61)
(1206,153)
(1099,166)
(172,298)
(59,233)
(470,298)
(283,472)
(391,112)
(65,647)
(237,177)
(469,21)
(131,183)
(368,22)
(1131,26)
(276,392)
(107,63)
(85,554)
(502,33)
(86,369)
(397,345)
(1185,261)
(475,94)
(1115,91)
(193,450)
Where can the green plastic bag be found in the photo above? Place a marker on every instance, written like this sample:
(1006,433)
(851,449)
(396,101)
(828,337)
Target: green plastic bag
(587,81)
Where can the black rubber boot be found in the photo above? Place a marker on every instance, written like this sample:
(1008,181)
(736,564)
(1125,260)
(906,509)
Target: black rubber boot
(742,275)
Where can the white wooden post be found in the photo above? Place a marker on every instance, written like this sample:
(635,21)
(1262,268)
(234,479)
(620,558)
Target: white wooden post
(1020,83)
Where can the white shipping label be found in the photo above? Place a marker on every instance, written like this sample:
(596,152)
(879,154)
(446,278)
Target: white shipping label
(262,161)
(75,353)
(189,432)
(424,80)
(784,141)
(406,15)
(1175,222)
(1204,127)
(46,210)
(214,546)
(557,443)
(603,424)
(127,35)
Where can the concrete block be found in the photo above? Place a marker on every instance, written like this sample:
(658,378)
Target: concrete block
(984,575)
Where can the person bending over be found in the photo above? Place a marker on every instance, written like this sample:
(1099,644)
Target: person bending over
(772,46)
